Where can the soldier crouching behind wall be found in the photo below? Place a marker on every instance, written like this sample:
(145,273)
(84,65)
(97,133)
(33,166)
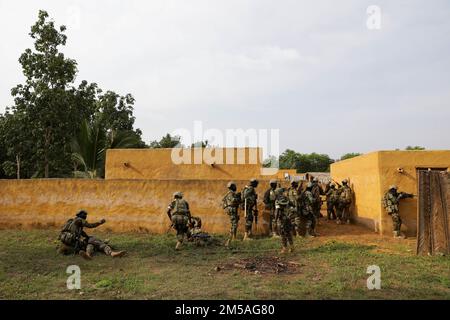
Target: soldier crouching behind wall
(180,215)
(75,241)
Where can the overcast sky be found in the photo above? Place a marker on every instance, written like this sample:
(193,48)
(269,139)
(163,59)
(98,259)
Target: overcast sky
(312,69)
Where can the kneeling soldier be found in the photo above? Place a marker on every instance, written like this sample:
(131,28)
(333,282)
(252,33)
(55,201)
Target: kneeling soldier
(75,240)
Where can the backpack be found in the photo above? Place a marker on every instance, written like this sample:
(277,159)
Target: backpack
(66,235)
(345,196)
(180,207)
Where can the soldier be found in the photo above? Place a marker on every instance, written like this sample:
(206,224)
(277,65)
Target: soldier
(230,203)
(283,220)
(196,234)
(294,207)
(344,200)
(269,202)
(307,201)
(317,191)
(180,215)
(391,201)
(75,240)
(250,198)
(331,201)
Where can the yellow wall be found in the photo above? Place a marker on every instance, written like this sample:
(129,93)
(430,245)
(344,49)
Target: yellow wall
(127,205)
(409,161)
(158,164)
(362,172)
(372,174)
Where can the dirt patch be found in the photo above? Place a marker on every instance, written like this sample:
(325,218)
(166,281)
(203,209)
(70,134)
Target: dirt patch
(261,265)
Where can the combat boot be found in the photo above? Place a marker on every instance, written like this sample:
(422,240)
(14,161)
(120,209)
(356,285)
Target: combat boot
(178,245)
(227,243)
(338,221)
(84,255)
(116,254)
(348,221)
(246,236)
(283,250)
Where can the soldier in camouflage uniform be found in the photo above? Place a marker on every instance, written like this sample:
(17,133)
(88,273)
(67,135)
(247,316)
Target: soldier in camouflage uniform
(283,219)
(294,207)
(391,201)
(249,205)
(180,215)
(75,240)
(344,201)
(317,191)
(307,202)
(196,234)
(230,204)
(331,195)
(269,202)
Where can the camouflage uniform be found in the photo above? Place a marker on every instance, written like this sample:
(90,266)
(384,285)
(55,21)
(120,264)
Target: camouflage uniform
(269,202)
(230,203)
(195,233)
(283,219)
(294,209)
(332,197)
(249,203)
(317,191)
(391,202)
(307,201)
(180,215)
(344,201)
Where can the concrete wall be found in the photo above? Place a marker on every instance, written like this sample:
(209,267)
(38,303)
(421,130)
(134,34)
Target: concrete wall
(127,205)
(230,164)
(363,173)
(372,174)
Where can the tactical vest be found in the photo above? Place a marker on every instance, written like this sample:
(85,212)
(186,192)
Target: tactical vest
(389,203)
(345,196)
(249,196)
(231,199)
(272,195)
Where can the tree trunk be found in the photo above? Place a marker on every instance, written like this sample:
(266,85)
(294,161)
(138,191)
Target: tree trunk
(18,166)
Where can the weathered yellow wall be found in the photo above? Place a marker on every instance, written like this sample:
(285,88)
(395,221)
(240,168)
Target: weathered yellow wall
(409,161)
(364,179)
(127,205)
(158,164)
(372,174)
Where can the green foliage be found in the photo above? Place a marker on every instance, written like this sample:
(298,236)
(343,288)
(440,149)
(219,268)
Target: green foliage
(350,155)
(414,148)
(313,162)
(166,142)
(38,130)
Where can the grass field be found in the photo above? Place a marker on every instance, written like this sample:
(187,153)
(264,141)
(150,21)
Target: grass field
(332,266)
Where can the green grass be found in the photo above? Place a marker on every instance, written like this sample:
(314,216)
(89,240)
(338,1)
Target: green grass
(329,268)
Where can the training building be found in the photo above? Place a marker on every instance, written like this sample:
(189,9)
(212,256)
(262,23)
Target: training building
(423,173)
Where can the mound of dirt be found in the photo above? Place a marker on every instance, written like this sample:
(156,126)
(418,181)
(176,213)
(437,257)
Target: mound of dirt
(259,265)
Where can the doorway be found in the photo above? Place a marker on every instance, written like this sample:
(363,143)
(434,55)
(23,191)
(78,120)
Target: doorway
(433,220)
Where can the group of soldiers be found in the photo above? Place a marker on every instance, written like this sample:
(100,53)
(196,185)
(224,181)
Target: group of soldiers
(292,211)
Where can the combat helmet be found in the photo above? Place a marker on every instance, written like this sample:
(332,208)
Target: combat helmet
(254,182)
(82,214)
(393,187)
(345,181)
(309,185)
(178,194)
(273,181)
(231,183)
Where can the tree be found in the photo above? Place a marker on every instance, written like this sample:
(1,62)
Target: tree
(350,155)
(313,162)
(90,145)
(414,148)
(48,109)
(166,142)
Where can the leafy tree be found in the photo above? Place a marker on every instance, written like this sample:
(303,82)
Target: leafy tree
(89,148)
(313,162)
(166,142)
(350,155)
(49,109)
(414,148)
